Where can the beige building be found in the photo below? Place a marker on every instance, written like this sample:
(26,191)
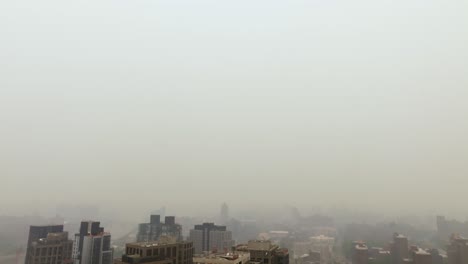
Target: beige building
(265,252)
(321,244)
(165,251)
(419,256)
(229,258)
(457,251)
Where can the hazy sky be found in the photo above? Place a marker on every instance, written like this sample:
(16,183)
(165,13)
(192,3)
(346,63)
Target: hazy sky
(175,102)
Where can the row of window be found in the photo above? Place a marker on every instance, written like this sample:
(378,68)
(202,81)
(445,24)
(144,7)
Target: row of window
(47,261)
(49,251)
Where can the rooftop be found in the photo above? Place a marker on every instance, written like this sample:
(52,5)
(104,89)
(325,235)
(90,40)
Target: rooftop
(261,245)
(322,237)
(227,256)
(279,232)
(154,243)
(361,247)
(421,251)
(396,235)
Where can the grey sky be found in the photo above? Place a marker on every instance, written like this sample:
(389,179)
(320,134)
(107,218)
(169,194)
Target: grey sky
(297,102)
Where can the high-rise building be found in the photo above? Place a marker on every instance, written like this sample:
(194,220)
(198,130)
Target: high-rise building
(92,245)
(265,252)
(457,251)
(224,214)
(40,232)
(399,248)
(54,248)
(209,237)
(155,229)
(165,251)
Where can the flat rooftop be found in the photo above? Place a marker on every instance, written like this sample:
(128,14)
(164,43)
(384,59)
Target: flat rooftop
(361,247)
(154,244)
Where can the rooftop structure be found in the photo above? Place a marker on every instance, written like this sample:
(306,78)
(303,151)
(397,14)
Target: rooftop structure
(360,253)
(228,258)
(265,252)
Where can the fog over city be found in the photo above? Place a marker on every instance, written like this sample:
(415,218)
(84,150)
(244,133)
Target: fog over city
(129,106)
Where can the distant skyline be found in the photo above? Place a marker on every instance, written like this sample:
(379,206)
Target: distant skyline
(355,104)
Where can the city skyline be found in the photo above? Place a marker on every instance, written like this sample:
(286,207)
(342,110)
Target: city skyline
(233,132)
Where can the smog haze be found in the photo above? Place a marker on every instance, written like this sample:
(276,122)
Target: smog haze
(149,103)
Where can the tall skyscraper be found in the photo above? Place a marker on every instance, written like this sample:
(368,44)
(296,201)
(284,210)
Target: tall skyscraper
(165,251)
(224,214)
(53,248)
(92,245)
(39,232)
(154,230)
(210,237)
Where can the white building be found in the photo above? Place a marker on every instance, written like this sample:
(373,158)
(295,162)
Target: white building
(92,245)
(97,249)
(229,258)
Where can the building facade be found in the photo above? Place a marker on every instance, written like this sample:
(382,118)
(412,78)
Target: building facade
(38,232)
(228,258)
(321,244)
(161,252)
(265,252)
(55,248)
(419,256)
(457,251)
(209,237)
(399,248)
(92,245)
(379,255)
